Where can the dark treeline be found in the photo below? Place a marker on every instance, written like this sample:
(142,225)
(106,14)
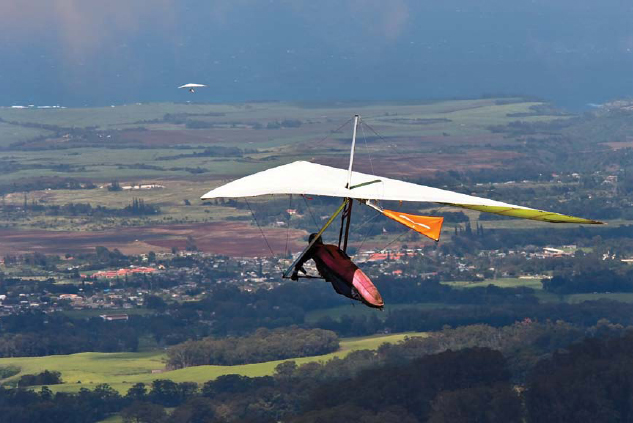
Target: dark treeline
(590,382)
(585,314)
(422,390)
(38,334)
(138,207)
(465,374)
(42,183)
(215,151)
(598,280)
(263,345)
(43,378)
(10,166)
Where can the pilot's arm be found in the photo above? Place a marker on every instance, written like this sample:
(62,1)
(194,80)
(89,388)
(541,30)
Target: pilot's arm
(299,266)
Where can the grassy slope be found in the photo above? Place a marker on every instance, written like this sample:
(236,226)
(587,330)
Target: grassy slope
(122,370)
(501,282)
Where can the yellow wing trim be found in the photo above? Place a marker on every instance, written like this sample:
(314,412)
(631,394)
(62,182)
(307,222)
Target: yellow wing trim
(531,214)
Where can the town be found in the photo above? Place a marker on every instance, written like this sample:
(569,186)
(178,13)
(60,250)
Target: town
(59,285)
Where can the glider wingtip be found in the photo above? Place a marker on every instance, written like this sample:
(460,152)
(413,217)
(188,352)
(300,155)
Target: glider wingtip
(591,222)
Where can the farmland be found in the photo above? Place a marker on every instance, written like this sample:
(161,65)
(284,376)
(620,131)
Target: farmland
(186,149)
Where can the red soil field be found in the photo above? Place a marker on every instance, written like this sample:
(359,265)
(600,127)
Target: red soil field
(236,239)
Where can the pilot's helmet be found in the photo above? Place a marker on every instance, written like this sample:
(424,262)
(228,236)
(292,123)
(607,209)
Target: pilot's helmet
(318,241)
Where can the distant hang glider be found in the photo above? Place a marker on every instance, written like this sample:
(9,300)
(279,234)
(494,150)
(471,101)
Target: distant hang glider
(306,178)
(192,87)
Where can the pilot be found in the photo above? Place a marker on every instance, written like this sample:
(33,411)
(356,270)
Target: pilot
(337,268)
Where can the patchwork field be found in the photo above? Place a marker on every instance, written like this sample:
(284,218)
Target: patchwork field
(187,149)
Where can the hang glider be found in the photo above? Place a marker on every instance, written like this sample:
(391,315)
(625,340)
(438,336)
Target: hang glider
(305,178)
(192,87)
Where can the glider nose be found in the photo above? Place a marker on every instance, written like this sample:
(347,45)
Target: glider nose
(375,300)
(367,290)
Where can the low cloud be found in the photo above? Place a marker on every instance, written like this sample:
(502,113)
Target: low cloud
(81,26)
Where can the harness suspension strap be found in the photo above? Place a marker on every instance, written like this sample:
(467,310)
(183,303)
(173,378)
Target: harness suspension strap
(286,251)
(349,220)
(340,232)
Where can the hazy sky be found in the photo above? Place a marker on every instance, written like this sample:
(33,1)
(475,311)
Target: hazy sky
(95,52)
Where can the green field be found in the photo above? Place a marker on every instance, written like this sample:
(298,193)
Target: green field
(501,282)
(122,370)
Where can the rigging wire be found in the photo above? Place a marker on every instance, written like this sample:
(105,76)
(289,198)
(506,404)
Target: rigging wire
(366,232)
(260,228)
(385,140)
(371,163)
(397,238)
(444,206)
(335,131)
(310,211)
(286,252)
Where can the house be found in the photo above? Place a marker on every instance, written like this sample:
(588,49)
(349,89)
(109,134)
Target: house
(114,317)
(71,297)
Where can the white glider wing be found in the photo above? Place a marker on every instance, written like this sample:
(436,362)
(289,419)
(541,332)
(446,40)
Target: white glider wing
(192,86)
(314,179)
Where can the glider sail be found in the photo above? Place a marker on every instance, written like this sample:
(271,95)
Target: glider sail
(305,178)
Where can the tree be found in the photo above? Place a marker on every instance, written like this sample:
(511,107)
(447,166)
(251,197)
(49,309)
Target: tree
(143,412)
(196,410)
(187,390)
(46,394)
(138,392)
(498,404)
(591,382)
(165,392)
(286,369)
(191,244)
(115,186)
(155,302)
